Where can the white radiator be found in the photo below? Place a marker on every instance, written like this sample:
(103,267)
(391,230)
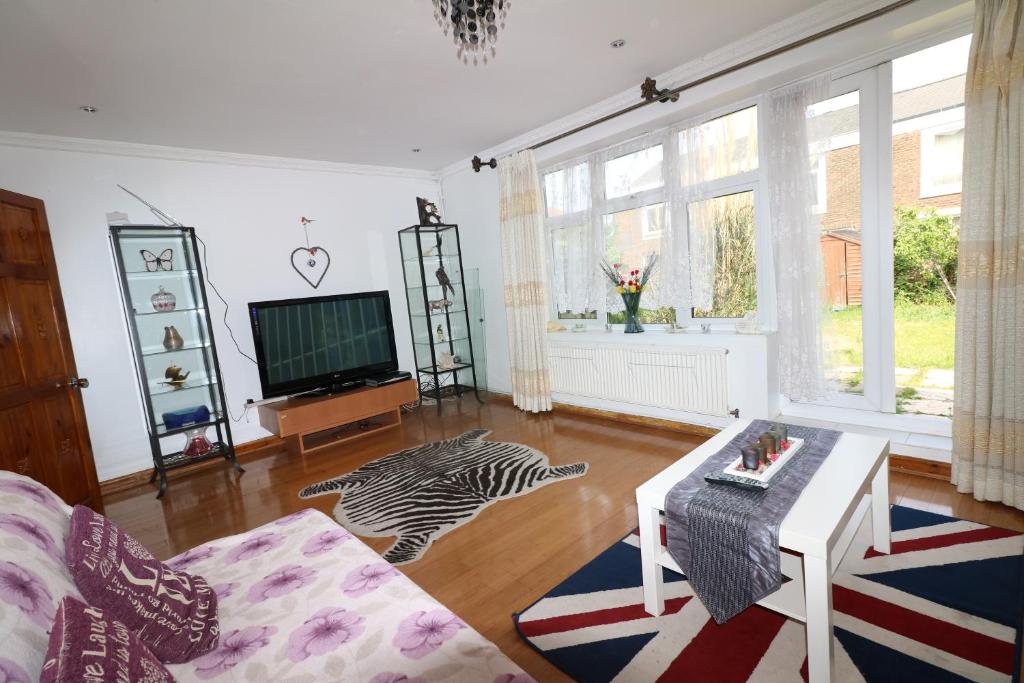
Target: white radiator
(692,379)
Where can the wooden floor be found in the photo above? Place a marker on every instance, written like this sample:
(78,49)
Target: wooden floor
(517,549)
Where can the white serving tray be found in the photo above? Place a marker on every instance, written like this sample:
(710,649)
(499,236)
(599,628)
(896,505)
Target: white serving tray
(769,472)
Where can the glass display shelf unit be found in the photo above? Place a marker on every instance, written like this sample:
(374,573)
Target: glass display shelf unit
(179,378)
(439,293)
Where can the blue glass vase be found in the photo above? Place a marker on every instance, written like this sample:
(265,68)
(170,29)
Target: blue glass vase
(631,301)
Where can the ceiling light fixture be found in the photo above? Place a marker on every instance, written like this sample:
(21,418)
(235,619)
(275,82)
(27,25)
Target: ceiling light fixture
(416,149)
(88,109)
(473,24)
(617,43)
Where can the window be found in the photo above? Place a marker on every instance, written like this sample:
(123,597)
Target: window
(615,204)
(942,161)
(819,178)
(630,174)
(726,287)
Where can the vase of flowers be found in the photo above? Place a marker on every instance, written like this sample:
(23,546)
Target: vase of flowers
(630,287)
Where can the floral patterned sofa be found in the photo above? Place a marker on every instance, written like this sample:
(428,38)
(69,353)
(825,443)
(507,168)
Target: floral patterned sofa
(300,599)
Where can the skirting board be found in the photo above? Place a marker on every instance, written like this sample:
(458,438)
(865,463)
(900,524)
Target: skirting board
(898,463)
(247,451)
(243,451)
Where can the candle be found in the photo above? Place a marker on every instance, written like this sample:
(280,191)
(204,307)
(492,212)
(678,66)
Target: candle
(769,443)
(751,456)
(781,433)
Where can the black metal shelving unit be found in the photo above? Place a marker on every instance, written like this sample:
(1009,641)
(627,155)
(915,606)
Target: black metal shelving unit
(182,276)
(427,249)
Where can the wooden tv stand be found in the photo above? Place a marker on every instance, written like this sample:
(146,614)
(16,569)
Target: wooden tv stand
(309,424)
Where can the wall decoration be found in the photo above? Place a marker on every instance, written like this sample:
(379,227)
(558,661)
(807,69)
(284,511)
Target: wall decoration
(163,301)
(427,209)
(154,262)
(172,340)
(311,263)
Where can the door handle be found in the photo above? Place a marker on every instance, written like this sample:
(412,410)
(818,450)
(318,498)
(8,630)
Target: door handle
(75,383)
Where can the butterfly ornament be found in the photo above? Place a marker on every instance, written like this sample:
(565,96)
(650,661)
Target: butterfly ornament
(311,263)
(155,262)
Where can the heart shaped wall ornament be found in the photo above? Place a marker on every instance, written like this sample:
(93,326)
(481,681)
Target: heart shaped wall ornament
(311,263)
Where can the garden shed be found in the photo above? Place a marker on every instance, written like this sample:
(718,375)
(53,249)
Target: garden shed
(841,251)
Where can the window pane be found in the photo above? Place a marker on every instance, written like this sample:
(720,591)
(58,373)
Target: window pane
(629,237)
(722,256)
(567,191)
(570,281)
(834,134)
(632,173)
(722,147)
(927,160)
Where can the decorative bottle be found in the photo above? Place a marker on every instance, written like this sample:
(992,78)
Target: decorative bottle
(172,340)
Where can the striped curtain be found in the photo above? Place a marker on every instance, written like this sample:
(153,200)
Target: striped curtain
(525,276)
(988,404)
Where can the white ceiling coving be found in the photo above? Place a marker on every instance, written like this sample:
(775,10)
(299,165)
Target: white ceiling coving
(336,80)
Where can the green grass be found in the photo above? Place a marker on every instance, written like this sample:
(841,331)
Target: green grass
(924,336)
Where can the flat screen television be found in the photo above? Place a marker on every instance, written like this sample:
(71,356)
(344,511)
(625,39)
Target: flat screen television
(323,342)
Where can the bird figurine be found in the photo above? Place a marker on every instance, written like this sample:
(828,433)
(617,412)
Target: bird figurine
(442,279)
(175,377)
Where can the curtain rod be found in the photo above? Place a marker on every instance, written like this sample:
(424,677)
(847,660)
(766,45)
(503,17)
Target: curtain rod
(672,94)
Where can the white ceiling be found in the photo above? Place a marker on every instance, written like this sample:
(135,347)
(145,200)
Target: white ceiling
(336,80)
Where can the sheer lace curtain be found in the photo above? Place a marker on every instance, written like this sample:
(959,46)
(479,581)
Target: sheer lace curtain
(988,405)
(703,151)
(796,239)
(572,224)
(524,270)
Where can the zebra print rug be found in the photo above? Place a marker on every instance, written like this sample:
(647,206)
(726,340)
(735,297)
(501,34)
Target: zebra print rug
(422,493)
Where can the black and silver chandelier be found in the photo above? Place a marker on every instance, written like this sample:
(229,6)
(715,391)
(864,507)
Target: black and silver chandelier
(473,25)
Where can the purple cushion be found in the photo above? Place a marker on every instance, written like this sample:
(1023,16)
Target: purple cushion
(173,613)
(88,645)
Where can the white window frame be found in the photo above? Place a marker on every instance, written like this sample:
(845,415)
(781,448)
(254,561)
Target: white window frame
(749,181)
(928,188)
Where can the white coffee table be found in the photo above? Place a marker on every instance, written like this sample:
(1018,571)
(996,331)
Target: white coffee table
(817,532)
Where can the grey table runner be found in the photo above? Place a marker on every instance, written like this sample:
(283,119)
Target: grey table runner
(726,539)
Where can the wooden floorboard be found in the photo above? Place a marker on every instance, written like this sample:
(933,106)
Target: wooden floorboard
(517,549)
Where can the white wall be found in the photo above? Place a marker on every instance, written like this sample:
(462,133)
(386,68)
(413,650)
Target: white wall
(249,217)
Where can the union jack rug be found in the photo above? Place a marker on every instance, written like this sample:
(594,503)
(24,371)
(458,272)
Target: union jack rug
(945,605)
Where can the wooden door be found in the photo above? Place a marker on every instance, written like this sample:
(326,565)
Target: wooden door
(834,252)
(42,423)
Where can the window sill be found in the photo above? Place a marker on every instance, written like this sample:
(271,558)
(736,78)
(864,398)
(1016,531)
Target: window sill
(919,436)
(657,336)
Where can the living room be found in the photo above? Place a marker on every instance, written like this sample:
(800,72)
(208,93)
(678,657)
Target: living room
(462,341)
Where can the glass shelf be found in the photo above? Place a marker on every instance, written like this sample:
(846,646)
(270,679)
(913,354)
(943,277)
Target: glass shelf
(160,351)
(454,368)
(437,286)
(132,246)
(437,343)
(191,384)
(427,258)
(162,430)
(176,310)
(158,274)
(438,314)
(460,322)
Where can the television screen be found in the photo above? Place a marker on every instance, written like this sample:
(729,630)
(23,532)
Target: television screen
(304,344)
